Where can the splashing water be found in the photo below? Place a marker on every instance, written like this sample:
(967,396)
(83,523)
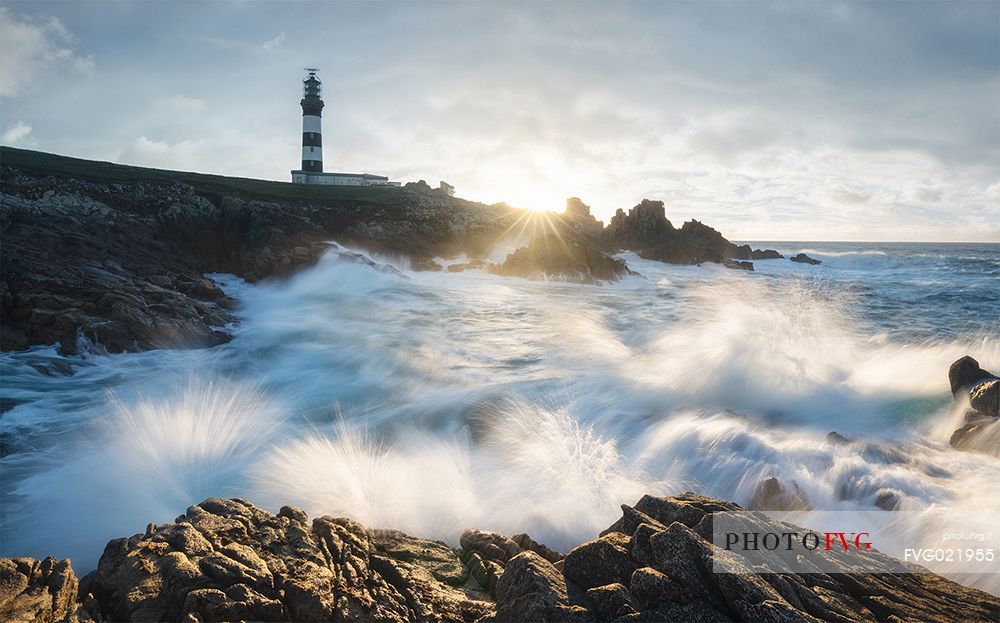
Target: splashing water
(432,402)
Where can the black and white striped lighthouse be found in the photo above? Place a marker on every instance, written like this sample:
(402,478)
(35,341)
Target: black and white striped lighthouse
(312,121)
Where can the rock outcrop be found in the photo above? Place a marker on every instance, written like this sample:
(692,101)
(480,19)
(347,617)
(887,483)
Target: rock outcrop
(227,560)
(646,230)
(802,258)
(42,591)
(744,252)
(117,254)
(981,429)
(562,257)
(577,215)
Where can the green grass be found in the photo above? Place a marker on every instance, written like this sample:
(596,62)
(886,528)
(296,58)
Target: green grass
(265,190)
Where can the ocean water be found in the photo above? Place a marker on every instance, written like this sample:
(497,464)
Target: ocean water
(432,402)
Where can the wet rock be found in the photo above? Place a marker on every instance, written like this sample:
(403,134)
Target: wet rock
(981,431)
(979,435)
(738,265)
(802,258)
(964,373)
(771,495)
(837,439)
(887,500)
(985,398)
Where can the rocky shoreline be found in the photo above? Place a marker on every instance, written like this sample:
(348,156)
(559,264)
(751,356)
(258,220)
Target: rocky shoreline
(116,256)
(226,560)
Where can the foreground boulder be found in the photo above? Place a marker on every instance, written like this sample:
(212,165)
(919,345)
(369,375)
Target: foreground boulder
(981,429)
(227,560)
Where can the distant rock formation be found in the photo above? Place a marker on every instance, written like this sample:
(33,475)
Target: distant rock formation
(744,252)
(646,230)
(227,560)
(802,258)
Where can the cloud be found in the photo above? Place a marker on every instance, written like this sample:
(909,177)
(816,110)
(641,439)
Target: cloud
(189,155)
(772,120)
(16,134)
(34,47)
(269,46)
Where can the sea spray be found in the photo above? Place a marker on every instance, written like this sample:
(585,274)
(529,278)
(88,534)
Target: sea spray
(433,402)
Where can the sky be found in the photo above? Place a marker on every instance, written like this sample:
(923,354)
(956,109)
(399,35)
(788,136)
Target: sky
(768,120)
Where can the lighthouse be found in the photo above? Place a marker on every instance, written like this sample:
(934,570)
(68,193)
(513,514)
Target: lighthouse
(312,122)
(312,143)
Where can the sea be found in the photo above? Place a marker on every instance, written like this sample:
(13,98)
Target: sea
(436,401)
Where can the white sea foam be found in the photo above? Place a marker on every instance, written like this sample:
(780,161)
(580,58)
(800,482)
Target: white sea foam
(432,402)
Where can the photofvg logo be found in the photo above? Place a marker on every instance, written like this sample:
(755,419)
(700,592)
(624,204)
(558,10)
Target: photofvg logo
(853,542)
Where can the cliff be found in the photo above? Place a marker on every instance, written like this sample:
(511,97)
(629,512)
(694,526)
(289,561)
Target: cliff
(116,255)
(227,560)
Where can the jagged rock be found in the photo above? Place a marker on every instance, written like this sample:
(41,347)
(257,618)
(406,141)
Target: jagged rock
(577,215)
(645,225)
(675,579)
(802,258)
(985,398)
(611,601)
(227,559)
(556,256)
(528,543)
(30,590)
(738,265)
(605,560)
(531,589)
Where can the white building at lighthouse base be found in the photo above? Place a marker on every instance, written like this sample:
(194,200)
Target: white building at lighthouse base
(341,179)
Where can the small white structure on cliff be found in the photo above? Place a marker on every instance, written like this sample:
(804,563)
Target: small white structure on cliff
(312,144)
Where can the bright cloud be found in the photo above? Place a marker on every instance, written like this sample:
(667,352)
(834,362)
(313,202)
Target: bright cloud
(16,134)
(33,51)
